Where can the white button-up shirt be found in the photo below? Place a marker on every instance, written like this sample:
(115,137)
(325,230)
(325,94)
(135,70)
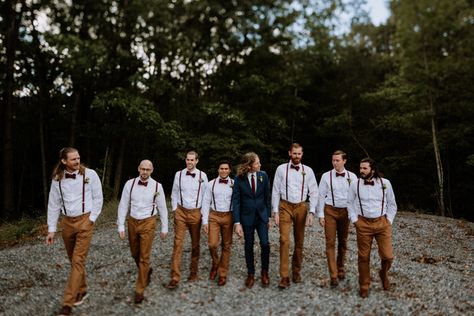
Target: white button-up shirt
(298,184)
(189,191)
(144,202)
(218,197)
(72,197)
(340,188)
(371,200)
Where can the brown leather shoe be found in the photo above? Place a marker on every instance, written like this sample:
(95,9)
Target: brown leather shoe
(250,281)
(138,298)
(212,275)
(222,281)
(284,283)
(192,277)
(172,285)
(65,311)
(385,281)
(363,293)
(333,282)
(296,278)
(265,278)
(341,275)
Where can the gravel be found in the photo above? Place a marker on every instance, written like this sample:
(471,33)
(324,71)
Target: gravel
(432,274)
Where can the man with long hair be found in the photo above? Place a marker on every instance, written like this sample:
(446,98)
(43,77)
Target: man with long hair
(76,192)
(372,208)
(332,213)
(293,184)
(186,200)
(143,197)
(252,211)
(217,220)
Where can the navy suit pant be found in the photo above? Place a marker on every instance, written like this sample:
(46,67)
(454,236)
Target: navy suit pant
(249,237)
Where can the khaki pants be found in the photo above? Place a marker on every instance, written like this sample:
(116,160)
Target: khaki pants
(291,215)
(336,223)
(186,219)
(140,236)
(77,235)
(368,229)
(220,224)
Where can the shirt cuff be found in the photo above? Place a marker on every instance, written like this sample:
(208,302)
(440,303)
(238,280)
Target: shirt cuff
(51,229)
(121,228)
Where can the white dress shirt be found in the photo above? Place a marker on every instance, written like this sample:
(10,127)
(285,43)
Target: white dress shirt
(144,202)
(340,187)
(371,200)
(301,184)
(72,197)
(189,191)
(218,197)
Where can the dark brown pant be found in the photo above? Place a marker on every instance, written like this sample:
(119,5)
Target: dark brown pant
(291,215)
(220,225)
(336,224)
(77,235)
(368,229)
(140,236)
(186,219)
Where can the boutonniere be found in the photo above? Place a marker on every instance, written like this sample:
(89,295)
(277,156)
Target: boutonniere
(201,180)
(156,194)
(349,180)
(86,180)
(260,178)
(231,185)
(303,173)
(384,187)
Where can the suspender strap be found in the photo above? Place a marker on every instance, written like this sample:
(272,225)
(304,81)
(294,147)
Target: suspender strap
(383,196)
(302,184)
(180,192)
(83,190)
(130,199)
(332,191)
(62,198)
(231,197)
(358,194)
(199,189)
(154,198)
(287,167)
(213,197)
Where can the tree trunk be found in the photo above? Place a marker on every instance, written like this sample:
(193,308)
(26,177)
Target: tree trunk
(74,115)
(118,169)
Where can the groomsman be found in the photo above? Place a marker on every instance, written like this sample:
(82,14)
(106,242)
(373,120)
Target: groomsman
(372,209)
(186,199)
(143,197)
(76,192)
(332,213)
(217,221)
(251,211)
(293,184)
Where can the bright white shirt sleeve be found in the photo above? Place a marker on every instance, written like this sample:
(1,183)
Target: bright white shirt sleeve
(277,182)
(123,206)
(206,204)
(391,203)
(175,192)
(351,202)
(312,191)
(54,206)
(97,197)
(323,191)
(161,204)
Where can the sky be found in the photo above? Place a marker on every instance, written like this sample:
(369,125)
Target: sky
(378,11)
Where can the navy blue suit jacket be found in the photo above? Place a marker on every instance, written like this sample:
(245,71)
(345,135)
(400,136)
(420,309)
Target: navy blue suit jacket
(246,205)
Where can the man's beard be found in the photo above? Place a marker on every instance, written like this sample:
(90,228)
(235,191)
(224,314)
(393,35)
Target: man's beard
(296,161)
(365,176)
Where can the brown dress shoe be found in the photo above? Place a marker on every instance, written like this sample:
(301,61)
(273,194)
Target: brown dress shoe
(192,277)
(65,311)
(212,275)
(363,293)
(296,278)
(265,278)
(250,281)
(138,298)
(222,281)
(341,275)
(284,283)
(172,285)
(385,281)
(333,282)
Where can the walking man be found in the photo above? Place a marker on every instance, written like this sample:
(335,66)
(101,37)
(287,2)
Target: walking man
(186,199)
(251,211)
(332,213)
(76,192)
(372,208)
(217,221)
(143,197)
(293,184)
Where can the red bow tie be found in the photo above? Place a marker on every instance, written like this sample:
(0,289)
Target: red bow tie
(223,181)
(342,174)
(143,183)
(190,174)
(369,182)
(70,175)
(297,168)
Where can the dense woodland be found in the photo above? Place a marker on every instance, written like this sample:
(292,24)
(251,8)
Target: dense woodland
(125,80)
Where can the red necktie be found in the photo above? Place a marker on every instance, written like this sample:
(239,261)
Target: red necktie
(142,183)
(70,175)
(190,174)
(223,181)
(297,168)
(369,182)
(253,184)
(342,174)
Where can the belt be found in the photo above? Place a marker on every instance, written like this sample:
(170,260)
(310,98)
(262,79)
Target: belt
(222,214)
(292,204)
(337,208)
(75,218)
(140,220)
(372,220)
(189,209)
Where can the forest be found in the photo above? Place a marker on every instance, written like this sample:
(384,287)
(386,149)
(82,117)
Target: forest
(125,80)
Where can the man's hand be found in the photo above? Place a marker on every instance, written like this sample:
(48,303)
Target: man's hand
(322,222)
(122,235)
(205,228)
(238,230)
(163,235)
(50,238)
(309,219)
(277,218)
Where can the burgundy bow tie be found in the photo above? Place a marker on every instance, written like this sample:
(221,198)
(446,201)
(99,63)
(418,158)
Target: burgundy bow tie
(342,174)
(140,182)
(190,174)
(369,182)
(297,168)
(70,175)
(223,181)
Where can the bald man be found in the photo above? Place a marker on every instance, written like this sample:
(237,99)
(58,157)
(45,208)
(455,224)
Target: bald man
(143,197)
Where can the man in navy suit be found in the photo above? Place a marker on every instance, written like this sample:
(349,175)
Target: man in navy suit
(252,211)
